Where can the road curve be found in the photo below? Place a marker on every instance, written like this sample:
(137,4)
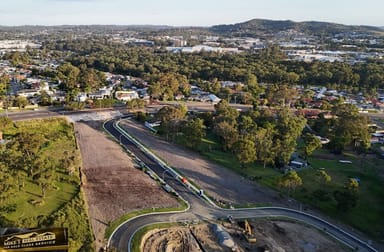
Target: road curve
(201,210)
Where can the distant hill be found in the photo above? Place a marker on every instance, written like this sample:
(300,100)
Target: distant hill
(252,28)
(260,27)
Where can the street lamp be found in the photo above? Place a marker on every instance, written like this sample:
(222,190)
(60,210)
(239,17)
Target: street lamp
(120,138)
(164,173)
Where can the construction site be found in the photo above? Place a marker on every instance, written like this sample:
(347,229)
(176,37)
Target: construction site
(240,235)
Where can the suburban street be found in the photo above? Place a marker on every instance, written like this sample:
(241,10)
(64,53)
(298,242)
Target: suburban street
(201,210)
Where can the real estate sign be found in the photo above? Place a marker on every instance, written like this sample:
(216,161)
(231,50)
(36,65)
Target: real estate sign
(49,239)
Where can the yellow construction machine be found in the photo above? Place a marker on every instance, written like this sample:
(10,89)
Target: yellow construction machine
(248,232)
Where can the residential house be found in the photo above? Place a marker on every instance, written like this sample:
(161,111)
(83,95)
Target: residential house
(126,95)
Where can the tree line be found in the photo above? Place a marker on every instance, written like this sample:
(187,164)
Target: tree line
(256,135)
(267,65)
(268,136)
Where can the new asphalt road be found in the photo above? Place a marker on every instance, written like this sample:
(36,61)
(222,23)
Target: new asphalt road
(200,208)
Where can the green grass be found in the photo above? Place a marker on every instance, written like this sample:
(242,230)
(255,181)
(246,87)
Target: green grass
(63,205)
(113,225)
(267,175)
(366,216)
(54,199)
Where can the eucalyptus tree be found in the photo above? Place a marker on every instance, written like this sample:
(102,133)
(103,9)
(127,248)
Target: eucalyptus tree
(288,128)
(291,180)
(245,151)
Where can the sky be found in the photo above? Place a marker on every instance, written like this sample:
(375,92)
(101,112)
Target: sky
(187,13)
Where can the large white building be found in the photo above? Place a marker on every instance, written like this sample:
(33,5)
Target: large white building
(126,95)
(17,44)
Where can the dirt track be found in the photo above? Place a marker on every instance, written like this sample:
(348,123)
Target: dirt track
(219,182)
(112,185)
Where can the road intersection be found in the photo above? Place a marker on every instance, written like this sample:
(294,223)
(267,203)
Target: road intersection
(201,208)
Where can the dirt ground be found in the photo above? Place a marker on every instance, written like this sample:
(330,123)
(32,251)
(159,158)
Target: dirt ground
(111,184)
(274,236)
(219,182)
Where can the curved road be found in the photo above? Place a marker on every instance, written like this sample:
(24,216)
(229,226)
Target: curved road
(201,210)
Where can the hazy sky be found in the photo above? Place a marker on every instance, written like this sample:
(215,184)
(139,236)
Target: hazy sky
(184,13)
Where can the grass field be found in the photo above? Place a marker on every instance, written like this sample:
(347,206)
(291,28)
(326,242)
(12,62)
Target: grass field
(29,203)
(366,216)
(63,204)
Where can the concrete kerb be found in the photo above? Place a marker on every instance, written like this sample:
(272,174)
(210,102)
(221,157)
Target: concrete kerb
(153,213)
(157,177)
(278,216)
(143,215)
(139,228)
(163,164)
(350,236)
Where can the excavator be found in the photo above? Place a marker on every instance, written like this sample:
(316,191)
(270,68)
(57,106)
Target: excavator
(248,232)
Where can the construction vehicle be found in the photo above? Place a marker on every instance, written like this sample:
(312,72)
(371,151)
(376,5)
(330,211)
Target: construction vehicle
(248,232)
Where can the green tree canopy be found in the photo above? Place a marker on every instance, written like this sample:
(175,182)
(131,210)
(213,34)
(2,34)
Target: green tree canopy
(345,200)
(194,131)
(324,176)
(21,101)
(245,151)
(349,128)
(224,112)
(227,134)
(69,75)
(289,127)
(170,118)
(4,82)
(291,180)
(6,183)
(265,147)
(312,143)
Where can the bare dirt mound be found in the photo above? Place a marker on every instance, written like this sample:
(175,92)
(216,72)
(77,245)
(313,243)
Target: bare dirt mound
(274,236)
(173,239)
(112,186)
(194,238)
(285,236)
